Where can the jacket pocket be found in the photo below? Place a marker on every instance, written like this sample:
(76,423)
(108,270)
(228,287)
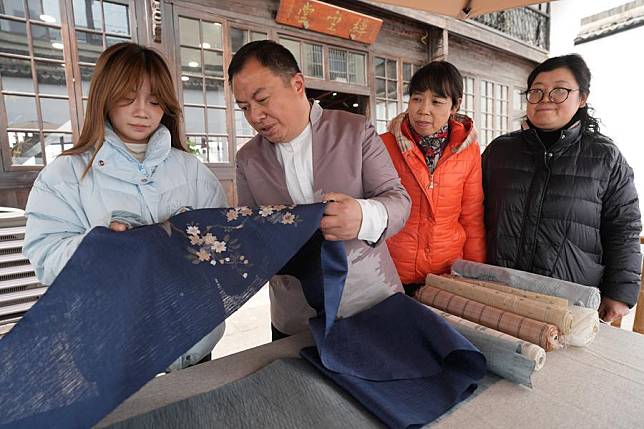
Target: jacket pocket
(577,266)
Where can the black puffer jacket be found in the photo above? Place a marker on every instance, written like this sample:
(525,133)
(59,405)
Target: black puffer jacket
(569,212)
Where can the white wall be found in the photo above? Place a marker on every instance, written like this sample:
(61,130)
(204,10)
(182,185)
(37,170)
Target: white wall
(617,67)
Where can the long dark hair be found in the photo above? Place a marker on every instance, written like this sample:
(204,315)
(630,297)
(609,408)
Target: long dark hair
(577,66)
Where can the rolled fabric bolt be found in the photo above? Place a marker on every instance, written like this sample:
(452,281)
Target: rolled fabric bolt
(543,334)
(531,351)
(561,317)
(547,299)
(576,294)
(585,325)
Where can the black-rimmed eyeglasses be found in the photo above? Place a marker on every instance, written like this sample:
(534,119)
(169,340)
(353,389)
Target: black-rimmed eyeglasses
(556,95)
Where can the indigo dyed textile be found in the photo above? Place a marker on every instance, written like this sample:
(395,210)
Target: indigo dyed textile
(102,331)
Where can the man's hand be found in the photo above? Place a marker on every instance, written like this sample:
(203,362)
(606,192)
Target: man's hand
(609,309)
(342,217)
(118,227)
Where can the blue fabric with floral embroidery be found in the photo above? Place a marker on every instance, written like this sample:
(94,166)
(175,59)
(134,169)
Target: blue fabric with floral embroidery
(102,331)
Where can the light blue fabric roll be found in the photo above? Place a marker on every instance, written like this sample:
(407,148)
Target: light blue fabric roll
(576,294)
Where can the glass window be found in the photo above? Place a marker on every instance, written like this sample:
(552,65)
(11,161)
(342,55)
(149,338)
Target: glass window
(338,65)
(387,97)
(519,105)
(408,71)
(467,104)
(494,111)
(88,14)
(12,7)
(203,87)
(312,60)
(44,10)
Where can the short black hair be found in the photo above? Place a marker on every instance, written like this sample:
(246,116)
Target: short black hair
(268,53)
(441,77)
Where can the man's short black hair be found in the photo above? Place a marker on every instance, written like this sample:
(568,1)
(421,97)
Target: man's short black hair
(268,53)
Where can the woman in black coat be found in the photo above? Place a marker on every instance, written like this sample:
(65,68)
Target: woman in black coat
(559,196)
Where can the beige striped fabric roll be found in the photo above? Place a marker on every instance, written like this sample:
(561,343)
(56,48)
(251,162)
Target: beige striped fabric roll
(547,299)
(527,349)
(542,334)
(558,316)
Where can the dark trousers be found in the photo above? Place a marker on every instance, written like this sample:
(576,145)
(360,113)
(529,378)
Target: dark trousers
(411,288)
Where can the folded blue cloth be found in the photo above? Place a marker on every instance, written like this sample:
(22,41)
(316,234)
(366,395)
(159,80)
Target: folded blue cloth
(129,303)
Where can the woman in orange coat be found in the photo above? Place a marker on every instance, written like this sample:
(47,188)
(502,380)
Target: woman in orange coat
(436,153)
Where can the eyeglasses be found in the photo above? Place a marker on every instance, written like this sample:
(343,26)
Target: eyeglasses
(556,95)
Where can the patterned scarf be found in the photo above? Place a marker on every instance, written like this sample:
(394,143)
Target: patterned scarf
(432,145)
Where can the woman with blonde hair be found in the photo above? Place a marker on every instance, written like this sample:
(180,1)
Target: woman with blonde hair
(129,167)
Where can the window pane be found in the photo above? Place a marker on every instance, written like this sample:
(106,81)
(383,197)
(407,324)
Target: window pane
(407,71)
(55,144)
(392,91)
(21,112)
(112,40)
(86,73)
(215,92)
(87,14)
(392,73)
(48,42)
(212,35)
(381,126)
(242,127)
(90,46)
(194,119)
(217,121)
(16,75)
(237,39)
(381,85)
(312,60)
(15,40)
(337,65)
(44,10)
(192,90)
(191,61)
(381,110)
(241,141)
(198,146)
(214,64)
(25,148)
(294,47)
(392,109)
(116,18)
(379,64)
(189,32)
(356,68)
(55,114)
(13,8)
(255,35)
(51,78)
(217,149)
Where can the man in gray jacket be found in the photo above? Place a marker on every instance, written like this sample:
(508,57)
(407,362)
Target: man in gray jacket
(304,154)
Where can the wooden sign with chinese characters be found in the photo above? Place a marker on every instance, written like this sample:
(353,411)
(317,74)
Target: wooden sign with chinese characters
(157,19)
(328,19)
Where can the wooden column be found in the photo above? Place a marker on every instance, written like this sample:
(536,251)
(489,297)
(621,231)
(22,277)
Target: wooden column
(638,324)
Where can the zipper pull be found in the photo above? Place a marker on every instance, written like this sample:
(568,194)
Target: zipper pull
(431,181)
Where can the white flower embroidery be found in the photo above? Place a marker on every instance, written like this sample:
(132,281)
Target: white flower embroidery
(219,246)
(245,275)
(193,230)
(288,218)
(213,262)
(209,239)
(195,240)
(266,211)
(231,215)
(245,211)
(203,255)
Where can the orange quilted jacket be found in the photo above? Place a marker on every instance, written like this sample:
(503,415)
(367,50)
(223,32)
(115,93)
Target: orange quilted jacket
(446,220)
